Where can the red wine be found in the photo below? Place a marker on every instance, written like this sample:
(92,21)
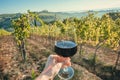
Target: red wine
(65,48)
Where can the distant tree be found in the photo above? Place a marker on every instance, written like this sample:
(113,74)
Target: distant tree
(45,11)
(114,15)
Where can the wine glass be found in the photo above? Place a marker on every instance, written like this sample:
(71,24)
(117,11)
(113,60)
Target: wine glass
(66,48)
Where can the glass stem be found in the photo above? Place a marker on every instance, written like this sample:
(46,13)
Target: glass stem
(65,69)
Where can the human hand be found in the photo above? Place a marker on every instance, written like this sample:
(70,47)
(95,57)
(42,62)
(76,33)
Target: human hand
(53,65)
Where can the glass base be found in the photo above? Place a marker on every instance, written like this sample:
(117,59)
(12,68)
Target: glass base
(66,73)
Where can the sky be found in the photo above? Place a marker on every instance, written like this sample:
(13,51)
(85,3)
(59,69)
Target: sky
(21,6)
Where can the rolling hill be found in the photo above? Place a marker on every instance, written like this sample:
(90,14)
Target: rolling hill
(46,16)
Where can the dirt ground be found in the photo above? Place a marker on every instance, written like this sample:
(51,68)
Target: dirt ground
(38,49)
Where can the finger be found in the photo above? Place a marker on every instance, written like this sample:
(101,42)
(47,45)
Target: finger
(58,58)
(53,56)
(67,63)
(64,66)
(62,59)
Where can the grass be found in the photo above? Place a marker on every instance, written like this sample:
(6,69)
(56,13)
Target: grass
(4,32)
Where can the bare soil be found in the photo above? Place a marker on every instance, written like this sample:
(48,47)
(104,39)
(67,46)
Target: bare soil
(39,48)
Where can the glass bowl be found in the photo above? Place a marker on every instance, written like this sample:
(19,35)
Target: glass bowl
(66,73)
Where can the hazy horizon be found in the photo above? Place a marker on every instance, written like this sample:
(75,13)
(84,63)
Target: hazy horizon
(21,6)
